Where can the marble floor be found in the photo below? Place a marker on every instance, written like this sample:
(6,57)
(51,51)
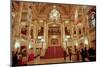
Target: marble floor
(56,60)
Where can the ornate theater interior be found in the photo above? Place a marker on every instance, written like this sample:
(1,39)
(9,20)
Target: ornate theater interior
(52,33)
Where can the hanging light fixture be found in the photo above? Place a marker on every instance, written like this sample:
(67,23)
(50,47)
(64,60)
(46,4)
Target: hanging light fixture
(54,14)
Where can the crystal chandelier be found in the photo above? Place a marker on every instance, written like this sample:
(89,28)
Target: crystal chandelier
(54,14)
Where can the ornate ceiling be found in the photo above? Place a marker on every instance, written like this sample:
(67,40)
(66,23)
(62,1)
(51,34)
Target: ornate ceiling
(42,10)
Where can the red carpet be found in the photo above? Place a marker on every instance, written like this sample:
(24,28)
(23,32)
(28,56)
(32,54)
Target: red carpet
(54,52)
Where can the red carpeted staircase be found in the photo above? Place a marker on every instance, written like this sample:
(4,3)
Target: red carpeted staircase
(54,52)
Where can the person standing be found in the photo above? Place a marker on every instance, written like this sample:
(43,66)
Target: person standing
(83,54)
(22,56)
(92,54)
(77,54)
(31,55)
(70,53)
(14,59)
(65,55)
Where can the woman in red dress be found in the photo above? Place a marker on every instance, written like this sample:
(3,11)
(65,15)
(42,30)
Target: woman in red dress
(31,55)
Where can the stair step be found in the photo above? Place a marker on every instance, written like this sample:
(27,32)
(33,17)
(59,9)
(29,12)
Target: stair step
(54,52)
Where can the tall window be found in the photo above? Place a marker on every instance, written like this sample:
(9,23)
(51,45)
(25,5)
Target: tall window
(92,19)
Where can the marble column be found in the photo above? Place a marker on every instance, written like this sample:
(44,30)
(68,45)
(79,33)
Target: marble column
(63,43)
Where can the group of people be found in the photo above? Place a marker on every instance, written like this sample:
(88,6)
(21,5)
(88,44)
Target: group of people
(86,54)
(21,56)
(68,54)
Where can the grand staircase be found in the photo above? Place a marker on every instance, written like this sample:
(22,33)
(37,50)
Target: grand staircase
(54,52)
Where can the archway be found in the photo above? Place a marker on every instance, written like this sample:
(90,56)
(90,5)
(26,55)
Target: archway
(54,37)
(54,34)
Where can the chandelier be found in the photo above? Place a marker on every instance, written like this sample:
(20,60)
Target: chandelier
(54,14)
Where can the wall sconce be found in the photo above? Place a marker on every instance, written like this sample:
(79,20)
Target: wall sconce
(41,21)
(76,43)
(42,40)
(66,21)
(40,37)
(86,41)
(54,36)
(13,14)
(65,39)
(30,45)
(17,44)
(67,36)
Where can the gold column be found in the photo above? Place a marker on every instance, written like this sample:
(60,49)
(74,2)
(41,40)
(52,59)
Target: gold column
(45,35)
(19,20)
(45,39)
(63,36)
(35,38)
(17,24)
